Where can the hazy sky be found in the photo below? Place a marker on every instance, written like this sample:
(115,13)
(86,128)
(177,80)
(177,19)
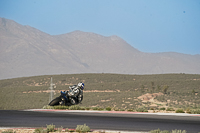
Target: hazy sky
(148,25)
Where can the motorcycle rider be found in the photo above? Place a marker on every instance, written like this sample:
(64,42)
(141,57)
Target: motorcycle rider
(76,91)
(72,97)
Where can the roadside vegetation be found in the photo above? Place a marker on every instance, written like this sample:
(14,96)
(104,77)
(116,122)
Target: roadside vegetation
(168,92)
(81,129)
(143,109)
(167,131)
(52,128)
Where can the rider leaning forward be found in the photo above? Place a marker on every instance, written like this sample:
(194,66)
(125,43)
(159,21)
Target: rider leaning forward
(76,91)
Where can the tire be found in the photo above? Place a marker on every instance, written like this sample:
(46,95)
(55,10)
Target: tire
(55,101)
(73,101)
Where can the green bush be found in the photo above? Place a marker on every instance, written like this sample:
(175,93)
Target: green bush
(60,129)
(188,110)
(75,107)
(61,107)
(170,109)
(83,108)
(55,107)
(100,109)
(108,108)
(9,131)
(82,128)
(116,109)
(166,131)
(72,130)
(40,130)
(95,108)
(87,108)
(162,108)
(178,131)
(151,108)
(195,111)
(130,110)
(66,130)
(50,128)
(141,110)
(48,107)
(180,111)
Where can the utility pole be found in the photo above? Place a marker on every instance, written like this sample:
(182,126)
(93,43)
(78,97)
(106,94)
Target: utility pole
(51,90)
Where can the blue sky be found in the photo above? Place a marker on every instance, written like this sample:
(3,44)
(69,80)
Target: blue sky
(148,25)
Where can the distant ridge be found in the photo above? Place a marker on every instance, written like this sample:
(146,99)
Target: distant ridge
(26,51)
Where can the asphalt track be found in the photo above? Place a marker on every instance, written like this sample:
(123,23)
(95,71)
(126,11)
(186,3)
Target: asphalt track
(100,121)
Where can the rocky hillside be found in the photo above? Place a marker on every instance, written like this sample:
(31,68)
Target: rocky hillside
(26,51)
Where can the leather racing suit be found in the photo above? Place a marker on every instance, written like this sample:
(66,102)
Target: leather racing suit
(76,91)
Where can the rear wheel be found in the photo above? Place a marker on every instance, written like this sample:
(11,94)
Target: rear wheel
(55,101)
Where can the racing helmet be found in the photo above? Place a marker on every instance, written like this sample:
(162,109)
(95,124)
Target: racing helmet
(81,85)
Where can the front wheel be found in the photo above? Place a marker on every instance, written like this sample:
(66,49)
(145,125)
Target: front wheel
(55,101)
(73,101)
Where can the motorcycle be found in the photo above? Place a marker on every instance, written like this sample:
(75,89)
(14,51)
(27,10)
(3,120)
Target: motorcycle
(65,99)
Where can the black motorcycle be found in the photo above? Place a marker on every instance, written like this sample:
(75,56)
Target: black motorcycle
(65,100)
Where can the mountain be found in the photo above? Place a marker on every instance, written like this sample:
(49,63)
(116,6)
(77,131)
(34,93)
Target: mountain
(26,51)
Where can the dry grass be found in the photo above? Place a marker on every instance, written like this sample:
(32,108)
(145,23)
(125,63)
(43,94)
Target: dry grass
(103,90)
